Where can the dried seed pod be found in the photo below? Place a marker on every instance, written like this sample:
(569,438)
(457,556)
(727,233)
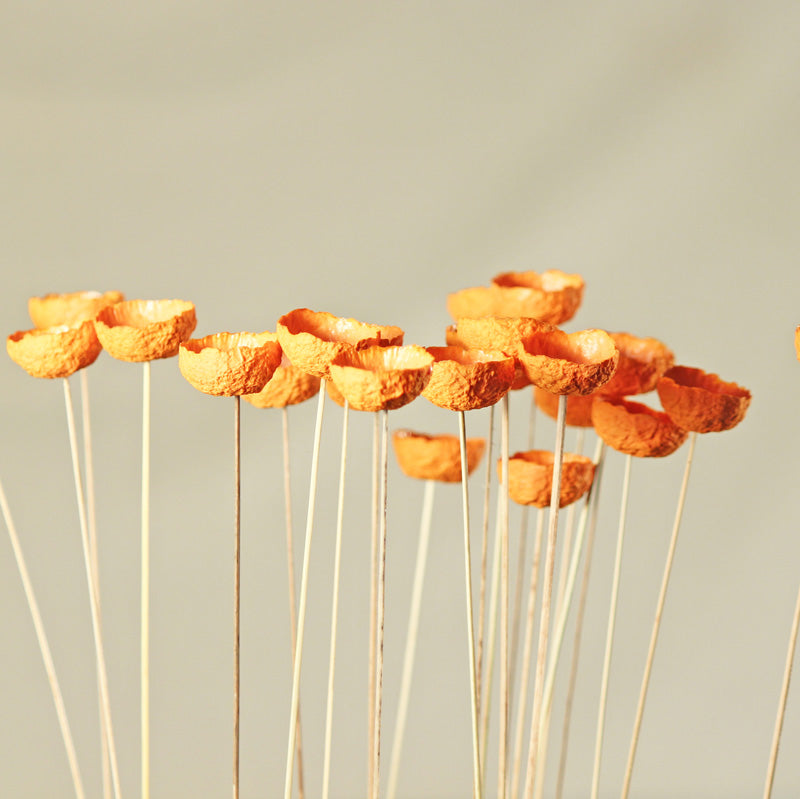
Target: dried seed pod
(287,386)
(568,363)
(229,364)
(797,341)
(53,310)
(312,339)
(636,429)
(551,296)
(465,380)
(494,333)
(427,457)
(54,351)
(454,340)
(381,378)
(700,401)
(579,408)
(530,477)
(145,330)
(642,362)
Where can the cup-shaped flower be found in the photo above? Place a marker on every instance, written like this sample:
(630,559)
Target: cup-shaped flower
(381,378)
(568,363)
(530,477)
(579,408)
(53,310)
(287,386)
(54,351)
(552,296)
(642,362)
(494,333)
(145,330)
(313,339)
(700,401)
(465,380)
(636,429)
(229,364)
(426,457)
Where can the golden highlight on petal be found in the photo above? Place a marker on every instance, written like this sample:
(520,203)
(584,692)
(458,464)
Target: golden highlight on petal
(52,310)
(54,351)
(145,330)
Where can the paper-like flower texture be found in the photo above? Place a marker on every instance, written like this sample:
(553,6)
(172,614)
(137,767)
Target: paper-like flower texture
(287,386)
(145,330)
(700,401)
(530,477)
(642,362)
(494,333)
(381,378)
(66,309)
(426,457)
(313,339)
(636,429)
(568,363)
(54,351)
(552,296)
(465,380)
(229,364)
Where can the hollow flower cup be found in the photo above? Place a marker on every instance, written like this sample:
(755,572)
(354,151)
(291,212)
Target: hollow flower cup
(52,310)
(230,364)
(636,429)
(313,339)
(642,362)
(530,477)
(568,363)
(54,351)
(145,330)
(287,386)
(701,401)
(438,457)
(381,378)
(465,380)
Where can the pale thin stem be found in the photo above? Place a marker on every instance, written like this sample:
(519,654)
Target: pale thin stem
(287,492)
(237,549)
(376,753)
(144,616)
(411,639)
(527,655)
(579,616)
(301,612)
(484,552)
(504,685)
(337,561)
(486,704)
(516,619)
(373,597)
(562,616)
(47,658)
(476,758)
(569,527)
(637,725)
(91,505)
(787,676)
(87,561)
(612,617)
(547,595)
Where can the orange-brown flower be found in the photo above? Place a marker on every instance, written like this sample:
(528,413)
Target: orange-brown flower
(313,339)
(579,408)
(54,351)
(700,401)
(494,333)
(642,361)
(53,310)
(552,296)
(568,363)
(435,457)
(287,386)
(145,330)
(381,378)
(229,364)
(530,477)
(636,429)
(465,380)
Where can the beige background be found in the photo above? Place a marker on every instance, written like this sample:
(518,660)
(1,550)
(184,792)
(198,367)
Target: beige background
(367,159)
